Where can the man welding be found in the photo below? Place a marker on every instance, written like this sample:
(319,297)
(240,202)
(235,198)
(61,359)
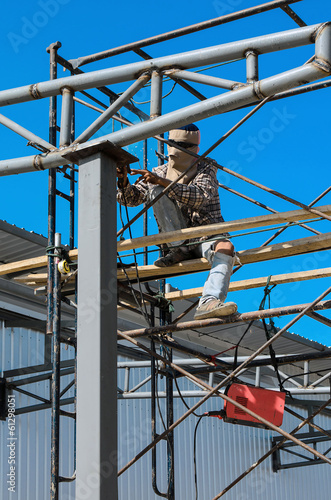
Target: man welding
(190,202)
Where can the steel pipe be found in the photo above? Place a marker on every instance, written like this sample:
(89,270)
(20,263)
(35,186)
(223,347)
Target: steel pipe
(249,316)
(156,94)
(113,108)
(204,79)
(211,55)
(23,132)
(66,117)
(181,31)
(252,66)
(199,394)
(210,107)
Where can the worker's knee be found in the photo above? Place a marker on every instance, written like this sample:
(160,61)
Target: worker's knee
(225,247)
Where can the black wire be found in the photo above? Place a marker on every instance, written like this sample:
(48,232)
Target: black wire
(306,373)
(194,456)
(143,309)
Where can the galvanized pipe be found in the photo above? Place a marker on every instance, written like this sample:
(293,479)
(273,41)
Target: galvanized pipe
(204,79)
(113,108)
(249,316)
(195,58)
(202,393)
(66,117)
(210,107)
(222,384)
(23,132)
(252,66)
(181,31)
(156,94)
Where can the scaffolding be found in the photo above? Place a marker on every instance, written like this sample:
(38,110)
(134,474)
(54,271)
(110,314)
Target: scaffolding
(114,287)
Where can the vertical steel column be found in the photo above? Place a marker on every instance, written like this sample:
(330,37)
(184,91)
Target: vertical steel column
(97,340)
(55,387)
(252,66)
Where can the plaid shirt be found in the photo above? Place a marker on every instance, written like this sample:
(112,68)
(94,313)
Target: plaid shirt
(198,201)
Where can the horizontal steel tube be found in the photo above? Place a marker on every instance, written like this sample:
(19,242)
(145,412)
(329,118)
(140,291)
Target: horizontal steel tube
(195,58)
(204,79)
(200,394)
(210,107)
(233,16)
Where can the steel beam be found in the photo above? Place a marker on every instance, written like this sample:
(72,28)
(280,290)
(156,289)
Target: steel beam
(233,16)
(96,360)
(210,107)
(193,59)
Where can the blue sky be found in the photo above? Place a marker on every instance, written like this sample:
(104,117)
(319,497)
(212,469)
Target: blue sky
(284,146)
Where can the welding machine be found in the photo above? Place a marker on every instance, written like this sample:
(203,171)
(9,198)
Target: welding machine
(265,403)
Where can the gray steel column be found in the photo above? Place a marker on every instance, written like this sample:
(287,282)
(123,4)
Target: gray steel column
(96,336)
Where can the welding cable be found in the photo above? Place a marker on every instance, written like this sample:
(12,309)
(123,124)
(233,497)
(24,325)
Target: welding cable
(144,308)
(194,455)
(314,372)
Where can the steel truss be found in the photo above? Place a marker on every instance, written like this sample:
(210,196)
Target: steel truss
(96,159)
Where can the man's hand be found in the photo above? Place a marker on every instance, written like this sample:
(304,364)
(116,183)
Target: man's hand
(122,175)
(150,177)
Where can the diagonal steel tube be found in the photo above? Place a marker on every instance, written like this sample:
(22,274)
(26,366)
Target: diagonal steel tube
(272,450)
(113,108)
(215,389)
(181,31)
(23,132)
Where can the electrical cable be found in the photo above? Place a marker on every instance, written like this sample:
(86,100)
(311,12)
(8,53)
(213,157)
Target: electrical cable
(142,308)
(194,455)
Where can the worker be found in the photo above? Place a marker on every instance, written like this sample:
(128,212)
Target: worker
(192,201)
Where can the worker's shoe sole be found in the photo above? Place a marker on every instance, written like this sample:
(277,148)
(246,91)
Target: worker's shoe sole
(215,309)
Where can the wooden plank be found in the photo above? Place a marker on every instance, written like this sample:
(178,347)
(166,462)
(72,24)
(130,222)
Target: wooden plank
(286,249)
(231,226)
(28,264)
(155,239)
(236,286)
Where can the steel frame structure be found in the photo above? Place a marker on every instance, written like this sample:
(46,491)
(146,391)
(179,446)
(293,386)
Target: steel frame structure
(97,159)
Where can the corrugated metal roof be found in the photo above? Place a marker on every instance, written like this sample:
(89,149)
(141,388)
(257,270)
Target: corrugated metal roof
(18,244)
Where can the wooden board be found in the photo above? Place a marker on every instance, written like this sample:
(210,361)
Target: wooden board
(211,229)
(255,283)
(288,248)
(231,226)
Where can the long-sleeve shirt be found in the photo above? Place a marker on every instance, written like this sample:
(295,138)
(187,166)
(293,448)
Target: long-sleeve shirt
(198,201)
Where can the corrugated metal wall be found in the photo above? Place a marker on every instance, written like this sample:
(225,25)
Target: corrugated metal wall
(21,348)
(223,450)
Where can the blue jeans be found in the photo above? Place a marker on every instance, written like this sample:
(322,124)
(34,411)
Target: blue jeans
(170,218)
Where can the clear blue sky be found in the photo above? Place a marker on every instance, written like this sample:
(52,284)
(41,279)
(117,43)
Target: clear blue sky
(284,146)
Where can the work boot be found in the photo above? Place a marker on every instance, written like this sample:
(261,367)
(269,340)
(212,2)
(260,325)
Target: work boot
(174,256)
(214,308)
